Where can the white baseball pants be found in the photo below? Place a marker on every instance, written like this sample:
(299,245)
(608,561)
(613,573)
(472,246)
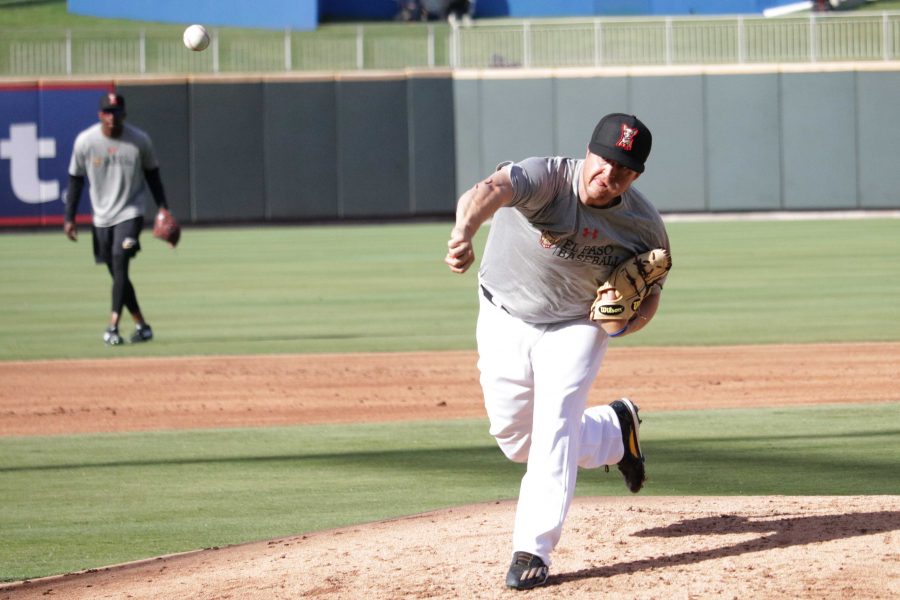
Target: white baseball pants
(536,380)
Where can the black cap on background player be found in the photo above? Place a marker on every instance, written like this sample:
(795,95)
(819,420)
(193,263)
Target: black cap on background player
(622,138)
(111,102)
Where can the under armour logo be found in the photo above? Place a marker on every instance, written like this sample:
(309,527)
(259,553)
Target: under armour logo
(627,137)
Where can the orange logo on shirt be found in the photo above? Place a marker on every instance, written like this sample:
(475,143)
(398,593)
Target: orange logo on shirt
(548,240)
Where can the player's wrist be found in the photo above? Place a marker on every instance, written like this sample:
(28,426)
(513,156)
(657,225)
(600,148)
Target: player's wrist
(621,332)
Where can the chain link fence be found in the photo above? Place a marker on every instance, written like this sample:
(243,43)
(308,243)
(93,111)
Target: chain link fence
(816,37)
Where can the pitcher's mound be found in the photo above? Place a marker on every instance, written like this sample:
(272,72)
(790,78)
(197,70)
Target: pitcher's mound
(623,547)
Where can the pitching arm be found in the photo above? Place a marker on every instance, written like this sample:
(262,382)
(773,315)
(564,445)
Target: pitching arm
(475,207)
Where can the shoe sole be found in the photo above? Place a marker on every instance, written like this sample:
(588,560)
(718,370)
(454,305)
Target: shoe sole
(518,584)
(634,440)
(530,586)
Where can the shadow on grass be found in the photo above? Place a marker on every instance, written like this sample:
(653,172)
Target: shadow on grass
(440,459)
(774,533)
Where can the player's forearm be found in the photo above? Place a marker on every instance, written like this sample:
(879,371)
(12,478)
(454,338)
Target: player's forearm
(644,314)
(73,197)
(479,203)
(154,182)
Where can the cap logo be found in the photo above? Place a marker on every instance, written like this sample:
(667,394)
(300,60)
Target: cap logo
(112,99)
(627,138)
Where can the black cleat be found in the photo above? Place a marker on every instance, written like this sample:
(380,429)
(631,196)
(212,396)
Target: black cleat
(112,338)
(142,333)
(526,571)
(632,463)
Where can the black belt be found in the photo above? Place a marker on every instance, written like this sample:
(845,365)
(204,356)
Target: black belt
(490,298)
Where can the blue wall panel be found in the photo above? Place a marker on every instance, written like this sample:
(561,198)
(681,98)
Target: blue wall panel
(387,9)
(360,10)
(271,14)
(38,125)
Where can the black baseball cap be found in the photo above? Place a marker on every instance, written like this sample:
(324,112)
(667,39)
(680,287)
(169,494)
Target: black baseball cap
(112,101)
(622,138)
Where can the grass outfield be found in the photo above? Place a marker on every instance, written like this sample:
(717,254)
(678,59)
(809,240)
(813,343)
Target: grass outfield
(385,288)
(76,502)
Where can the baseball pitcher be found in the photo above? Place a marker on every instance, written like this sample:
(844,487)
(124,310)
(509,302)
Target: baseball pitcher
(575,256)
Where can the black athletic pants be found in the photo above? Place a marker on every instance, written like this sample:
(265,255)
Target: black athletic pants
(115,246)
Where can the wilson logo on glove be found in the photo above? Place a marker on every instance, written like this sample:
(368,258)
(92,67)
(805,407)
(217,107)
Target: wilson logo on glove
(630,284)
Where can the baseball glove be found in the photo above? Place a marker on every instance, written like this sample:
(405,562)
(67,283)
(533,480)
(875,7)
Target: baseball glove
(166,228)
(630,283)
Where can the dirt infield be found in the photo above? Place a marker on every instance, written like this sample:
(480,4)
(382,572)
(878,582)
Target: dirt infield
(636,547)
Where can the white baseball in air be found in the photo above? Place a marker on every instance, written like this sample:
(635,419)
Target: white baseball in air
(196,38)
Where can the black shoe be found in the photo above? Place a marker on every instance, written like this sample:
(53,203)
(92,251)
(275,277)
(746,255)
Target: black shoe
(112,338)
(142,333)
(632,463)
(526,571)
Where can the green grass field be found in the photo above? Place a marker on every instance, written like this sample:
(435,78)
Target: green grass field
(75,502)
(81,501)
(385,288)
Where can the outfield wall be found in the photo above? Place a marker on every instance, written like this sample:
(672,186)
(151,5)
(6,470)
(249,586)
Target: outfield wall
(406,144)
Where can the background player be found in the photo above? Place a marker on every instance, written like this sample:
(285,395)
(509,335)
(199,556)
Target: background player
(560,226)
(120,164)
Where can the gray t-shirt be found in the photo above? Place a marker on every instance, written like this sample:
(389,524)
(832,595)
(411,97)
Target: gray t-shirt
(547,252)
(115,169)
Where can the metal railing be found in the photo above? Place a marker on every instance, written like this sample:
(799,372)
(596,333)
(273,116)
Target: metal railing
(681,41)
(816,37)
